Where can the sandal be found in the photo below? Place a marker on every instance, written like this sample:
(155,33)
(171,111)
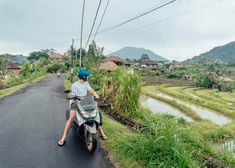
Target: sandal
(104,137)
(61,143)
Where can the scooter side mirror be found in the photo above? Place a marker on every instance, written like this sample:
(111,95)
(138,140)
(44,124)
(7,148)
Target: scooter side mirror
(67,91)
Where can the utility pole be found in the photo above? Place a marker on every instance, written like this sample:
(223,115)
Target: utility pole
(83,8)
(72,64)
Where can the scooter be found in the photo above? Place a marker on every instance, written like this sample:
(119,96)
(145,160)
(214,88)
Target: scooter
(87,119)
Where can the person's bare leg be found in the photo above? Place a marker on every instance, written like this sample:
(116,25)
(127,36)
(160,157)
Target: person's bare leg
(67,126)
(104,137)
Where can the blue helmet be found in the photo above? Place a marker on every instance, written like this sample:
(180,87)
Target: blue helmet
(83,74)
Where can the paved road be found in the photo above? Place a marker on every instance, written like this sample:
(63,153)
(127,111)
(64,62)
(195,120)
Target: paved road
(31,122)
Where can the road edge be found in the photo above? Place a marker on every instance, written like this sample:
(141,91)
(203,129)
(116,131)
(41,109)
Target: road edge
(25,87)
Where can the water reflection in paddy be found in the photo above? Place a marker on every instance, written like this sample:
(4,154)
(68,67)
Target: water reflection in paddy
(204,113)
(157,106)
(228,146)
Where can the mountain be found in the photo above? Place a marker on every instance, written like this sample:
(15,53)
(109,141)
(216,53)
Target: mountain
(224,53)
(135,53)
(16,58)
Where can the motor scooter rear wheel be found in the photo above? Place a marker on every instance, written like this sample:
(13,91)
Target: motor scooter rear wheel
(91,142)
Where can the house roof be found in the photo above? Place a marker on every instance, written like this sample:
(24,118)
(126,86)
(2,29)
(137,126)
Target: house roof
(108,66)
(127,63)
(11,65)
(150,62)
(56,56)
(115,59)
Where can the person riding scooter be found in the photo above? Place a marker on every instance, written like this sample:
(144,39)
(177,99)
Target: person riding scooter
(80,89)
(58,74)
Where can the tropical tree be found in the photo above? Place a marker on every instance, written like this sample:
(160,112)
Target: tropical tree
(94,55)
(144,57)
(36,55)
(3,64)
(208,78)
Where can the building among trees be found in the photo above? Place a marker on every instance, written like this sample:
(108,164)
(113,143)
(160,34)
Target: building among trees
(56,57)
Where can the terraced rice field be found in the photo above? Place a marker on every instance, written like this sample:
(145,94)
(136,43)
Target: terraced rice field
(210,111)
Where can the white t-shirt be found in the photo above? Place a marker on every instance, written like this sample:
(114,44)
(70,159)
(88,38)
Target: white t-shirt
(80,89)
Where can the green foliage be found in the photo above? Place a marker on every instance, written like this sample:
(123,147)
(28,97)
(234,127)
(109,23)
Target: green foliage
(2,84)
(94,56)
(226,86)
(219,135)
(144,57)
(166,142)
(223,53)
(56,66)
(124,91)
(22,78)
(176,74)
(128,92)
(35,69)
(36,55)
(207,78)
(203,81)
(77,53)
(15,58)
(96,79)
(3,63)
(164,145)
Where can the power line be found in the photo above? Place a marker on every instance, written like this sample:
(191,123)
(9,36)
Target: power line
(133,18)
(97,11)
(166,19)
(101,20)
(136,17)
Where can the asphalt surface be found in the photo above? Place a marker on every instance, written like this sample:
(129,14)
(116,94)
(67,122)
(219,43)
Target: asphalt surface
(31,122)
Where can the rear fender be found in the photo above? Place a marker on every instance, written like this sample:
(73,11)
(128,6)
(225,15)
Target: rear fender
(91,129)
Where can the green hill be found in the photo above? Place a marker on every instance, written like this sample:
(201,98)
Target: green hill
(16,58)
(224,53)
(135,53)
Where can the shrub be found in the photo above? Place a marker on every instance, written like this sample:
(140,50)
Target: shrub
(165,144)
(124,90)
(2,84)
(226,86)
(203,81)
(54,67)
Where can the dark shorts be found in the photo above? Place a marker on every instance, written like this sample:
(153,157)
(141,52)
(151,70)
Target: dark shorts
(73,106)
(101,121)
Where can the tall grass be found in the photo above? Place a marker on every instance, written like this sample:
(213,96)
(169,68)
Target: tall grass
(162,145)
(166,142)
(124,91)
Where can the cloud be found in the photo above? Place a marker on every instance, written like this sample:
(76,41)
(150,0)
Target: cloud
(29,25)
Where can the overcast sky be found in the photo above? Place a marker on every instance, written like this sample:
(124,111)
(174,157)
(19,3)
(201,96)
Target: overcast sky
(182,30)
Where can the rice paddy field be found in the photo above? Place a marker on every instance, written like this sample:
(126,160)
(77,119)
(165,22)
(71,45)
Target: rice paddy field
(209,111)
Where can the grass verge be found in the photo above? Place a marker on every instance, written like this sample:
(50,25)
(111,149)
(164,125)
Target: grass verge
(166,143)
(11,90)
